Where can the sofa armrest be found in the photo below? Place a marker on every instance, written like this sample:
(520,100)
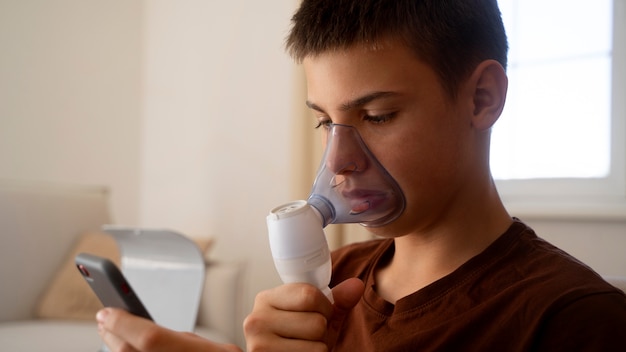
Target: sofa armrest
(221,306)
(39,223)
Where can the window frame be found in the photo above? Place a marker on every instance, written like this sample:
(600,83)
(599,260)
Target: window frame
(592,198)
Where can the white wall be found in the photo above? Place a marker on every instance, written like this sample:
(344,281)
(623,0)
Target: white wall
(70,94)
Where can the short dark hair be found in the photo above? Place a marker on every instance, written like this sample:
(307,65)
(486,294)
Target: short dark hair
(452,36)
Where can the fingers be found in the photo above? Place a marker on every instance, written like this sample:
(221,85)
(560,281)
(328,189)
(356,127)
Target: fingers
(114,343)
(347,294)
(293,325)
(122,331)
(290,317)
(298,317)
(119,329)
(297,297)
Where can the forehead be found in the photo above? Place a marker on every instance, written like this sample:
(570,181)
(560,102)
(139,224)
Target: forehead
(343,74)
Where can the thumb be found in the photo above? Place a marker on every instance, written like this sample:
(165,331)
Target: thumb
(346,295)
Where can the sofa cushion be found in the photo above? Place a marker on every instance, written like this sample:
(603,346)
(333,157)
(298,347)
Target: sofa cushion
(64,336)
(39,222)
(50,335)
(68,296)
(221,306)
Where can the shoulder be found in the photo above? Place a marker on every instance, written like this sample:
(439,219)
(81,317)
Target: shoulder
(592,322)
(539,267)
(578,309)
(555,271)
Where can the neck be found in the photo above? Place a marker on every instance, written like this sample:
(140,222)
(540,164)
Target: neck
(461,233)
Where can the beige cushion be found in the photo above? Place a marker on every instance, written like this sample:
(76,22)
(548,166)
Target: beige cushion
(68,296)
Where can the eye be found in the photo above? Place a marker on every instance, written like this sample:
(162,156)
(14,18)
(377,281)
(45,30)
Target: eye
(325,123)
(379,119)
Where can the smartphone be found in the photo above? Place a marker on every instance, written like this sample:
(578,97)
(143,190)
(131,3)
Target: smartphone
(109,284)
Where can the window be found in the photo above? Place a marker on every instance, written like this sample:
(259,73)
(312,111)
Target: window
(559,144)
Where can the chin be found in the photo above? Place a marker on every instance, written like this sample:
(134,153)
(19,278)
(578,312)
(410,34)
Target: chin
(387,231)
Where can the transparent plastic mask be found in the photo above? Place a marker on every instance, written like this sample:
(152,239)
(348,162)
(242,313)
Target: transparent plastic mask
(351,185)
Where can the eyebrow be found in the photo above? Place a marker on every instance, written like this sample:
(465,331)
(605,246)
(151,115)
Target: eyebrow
(360,101)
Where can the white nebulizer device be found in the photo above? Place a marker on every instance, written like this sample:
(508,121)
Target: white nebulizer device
(351,186)
(299,246)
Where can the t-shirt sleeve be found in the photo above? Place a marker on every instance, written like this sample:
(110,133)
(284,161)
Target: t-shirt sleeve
(595,322)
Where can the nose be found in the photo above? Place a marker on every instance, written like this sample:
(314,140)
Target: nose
(345,152)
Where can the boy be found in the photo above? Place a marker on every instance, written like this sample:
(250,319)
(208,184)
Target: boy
(423,82)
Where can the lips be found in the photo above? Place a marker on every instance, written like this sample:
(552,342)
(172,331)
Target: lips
(361,201)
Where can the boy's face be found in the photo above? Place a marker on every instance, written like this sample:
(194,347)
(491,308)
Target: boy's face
(423,139)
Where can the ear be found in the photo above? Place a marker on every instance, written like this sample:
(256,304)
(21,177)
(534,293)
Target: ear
(488,84)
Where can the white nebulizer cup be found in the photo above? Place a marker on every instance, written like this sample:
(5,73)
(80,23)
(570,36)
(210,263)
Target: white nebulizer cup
(299,245)
(351,186)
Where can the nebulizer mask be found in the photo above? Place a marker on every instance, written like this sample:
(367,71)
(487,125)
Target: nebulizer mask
(351,186)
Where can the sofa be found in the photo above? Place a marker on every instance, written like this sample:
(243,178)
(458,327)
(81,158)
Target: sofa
(44,303)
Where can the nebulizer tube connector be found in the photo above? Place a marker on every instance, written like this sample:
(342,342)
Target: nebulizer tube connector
(351,186)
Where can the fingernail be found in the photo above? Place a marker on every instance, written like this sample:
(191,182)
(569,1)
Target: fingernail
(102,315)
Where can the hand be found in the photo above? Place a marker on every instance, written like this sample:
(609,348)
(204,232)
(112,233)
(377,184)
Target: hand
(298,317)
(122,331)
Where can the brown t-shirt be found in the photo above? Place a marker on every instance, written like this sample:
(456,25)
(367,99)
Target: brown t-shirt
(520,294)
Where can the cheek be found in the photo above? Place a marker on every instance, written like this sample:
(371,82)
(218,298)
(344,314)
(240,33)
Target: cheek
(425,154)
(423,167)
